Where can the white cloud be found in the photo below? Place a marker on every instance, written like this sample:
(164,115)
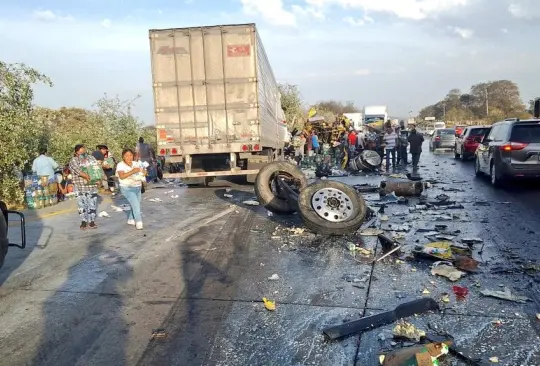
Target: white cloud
(354,22)
(406,9)
(504,30)
(358,22)
(272,11)
(463,32)
(50,16)
(309,12)
(362,72)
(524,9)
(106,23)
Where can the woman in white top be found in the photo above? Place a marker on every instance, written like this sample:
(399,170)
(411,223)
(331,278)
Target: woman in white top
(130,177)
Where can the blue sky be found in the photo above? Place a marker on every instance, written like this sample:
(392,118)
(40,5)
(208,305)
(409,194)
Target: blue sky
(402,53)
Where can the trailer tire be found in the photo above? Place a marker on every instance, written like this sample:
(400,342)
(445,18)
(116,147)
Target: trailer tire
(345,219)
(263,186)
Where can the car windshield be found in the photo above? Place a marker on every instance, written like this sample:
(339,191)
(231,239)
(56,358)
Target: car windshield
(446,131)
(529,134)
(478,131)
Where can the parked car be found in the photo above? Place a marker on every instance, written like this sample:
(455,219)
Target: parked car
(459,130)
(510,150)
(443,138)
(468,141)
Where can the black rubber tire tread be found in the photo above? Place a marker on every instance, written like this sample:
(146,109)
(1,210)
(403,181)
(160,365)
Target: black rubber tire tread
(264,193)
(479,172)
(321,226)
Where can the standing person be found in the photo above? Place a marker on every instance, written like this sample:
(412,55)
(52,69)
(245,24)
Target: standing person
(145,153)
(105,159)
(315,142)
(403,135)
(353,139)
(360,141)
(43,165)
(390,140)
(300,148)
(415,141)
(86,174)
(130,178)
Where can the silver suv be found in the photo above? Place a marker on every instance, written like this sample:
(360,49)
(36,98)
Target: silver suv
(510,150)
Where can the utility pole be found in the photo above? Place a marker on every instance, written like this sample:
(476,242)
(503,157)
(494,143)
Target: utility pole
(444,112)
(487,101)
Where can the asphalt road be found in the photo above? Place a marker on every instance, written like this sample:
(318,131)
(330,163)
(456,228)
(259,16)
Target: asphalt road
(199,271)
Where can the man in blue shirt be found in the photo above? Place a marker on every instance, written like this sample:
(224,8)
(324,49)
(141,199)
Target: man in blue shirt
(44,165)
(315,142)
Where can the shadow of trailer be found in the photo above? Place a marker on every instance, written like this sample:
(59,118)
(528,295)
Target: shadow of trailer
(4,228)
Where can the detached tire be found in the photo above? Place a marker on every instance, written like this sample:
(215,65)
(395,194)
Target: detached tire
(331,208)
(263,186)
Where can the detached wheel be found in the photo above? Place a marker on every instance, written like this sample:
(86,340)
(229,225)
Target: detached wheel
(268,194)
(331,208)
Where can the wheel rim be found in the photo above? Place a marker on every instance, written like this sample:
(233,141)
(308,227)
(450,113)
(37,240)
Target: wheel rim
(332,204)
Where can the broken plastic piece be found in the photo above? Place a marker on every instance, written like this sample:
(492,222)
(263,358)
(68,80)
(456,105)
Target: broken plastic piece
(446,270)
(505,295)
(411,308)
(274,277)
(251,203)
(494,359)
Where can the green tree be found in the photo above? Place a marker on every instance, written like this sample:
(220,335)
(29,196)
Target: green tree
(336,107)
(291,103)
(21,133)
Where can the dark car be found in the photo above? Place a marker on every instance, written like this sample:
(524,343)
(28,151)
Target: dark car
(468,141)
(510,150)
(443,138)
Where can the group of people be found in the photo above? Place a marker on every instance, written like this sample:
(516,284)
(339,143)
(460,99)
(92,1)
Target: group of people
(86,173)
(391,144)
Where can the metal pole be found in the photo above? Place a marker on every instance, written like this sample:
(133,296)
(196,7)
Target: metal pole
(487,101)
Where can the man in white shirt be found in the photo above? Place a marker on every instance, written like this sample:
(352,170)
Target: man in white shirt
(390,140)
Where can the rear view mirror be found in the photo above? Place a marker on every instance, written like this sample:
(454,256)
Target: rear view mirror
(486,141)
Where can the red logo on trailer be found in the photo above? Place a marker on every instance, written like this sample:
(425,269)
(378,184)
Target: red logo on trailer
(238,50)
(168,50)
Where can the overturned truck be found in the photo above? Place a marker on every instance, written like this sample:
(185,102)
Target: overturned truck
(326,207)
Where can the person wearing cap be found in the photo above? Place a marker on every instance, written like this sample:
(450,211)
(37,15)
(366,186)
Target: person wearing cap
(86,189)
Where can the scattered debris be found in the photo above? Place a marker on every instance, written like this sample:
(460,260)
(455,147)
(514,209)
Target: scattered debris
(402,187)
(155,200)
(465,263)
(445,298)
(440,250)
(159,333)
(274,277)
(405,310)
(408,330)
(228,195)
(472,241)
(426,292)
(251,203)
(121,208)
(423,355)
(371,232)
(505,295)
(447,270)
(104,214)
(269,305)
(460,292)
(494,359)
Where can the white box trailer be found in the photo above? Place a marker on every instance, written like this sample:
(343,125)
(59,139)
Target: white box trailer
(217,102)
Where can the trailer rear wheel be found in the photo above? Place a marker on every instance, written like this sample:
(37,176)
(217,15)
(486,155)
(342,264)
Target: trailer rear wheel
(266,190)
(331,208)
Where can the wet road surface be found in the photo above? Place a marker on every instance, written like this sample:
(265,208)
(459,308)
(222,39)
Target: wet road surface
(199,270)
